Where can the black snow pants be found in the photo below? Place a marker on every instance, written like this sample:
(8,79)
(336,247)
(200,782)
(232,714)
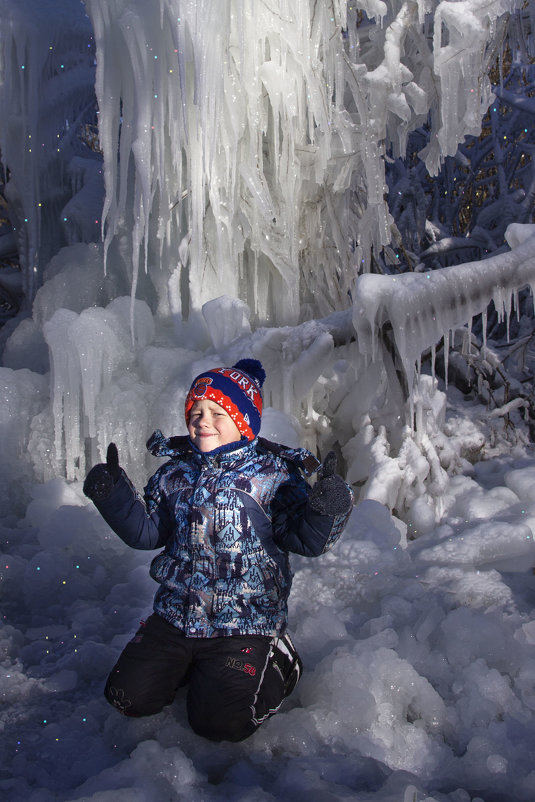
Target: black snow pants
(234,683)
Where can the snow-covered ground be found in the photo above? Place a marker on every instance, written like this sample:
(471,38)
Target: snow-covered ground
(420,660)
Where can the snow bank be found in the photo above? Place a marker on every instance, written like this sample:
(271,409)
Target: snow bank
(419,664)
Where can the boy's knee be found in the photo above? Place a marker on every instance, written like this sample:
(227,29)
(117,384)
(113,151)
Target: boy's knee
(234,728)
(121,700)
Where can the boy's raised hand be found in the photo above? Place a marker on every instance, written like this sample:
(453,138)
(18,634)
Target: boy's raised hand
(101,478)
(330,495)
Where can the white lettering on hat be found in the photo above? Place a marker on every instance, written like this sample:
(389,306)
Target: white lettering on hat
(242,381)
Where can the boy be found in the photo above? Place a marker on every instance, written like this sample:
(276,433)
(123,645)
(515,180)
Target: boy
(226,509)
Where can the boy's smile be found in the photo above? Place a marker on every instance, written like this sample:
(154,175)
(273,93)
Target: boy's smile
(210,426)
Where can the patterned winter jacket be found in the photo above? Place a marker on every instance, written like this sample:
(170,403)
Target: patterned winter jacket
(226,521)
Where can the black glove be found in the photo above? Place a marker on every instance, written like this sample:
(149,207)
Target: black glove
(101,478)
(330,495)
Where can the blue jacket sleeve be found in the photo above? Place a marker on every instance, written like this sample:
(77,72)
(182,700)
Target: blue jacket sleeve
(128,515)
(297,527)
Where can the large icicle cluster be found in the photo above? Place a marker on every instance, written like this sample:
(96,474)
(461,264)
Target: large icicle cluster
(255,134)
(87,352)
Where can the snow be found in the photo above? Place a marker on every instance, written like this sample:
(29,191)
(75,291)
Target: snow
(418,629)
(420,661)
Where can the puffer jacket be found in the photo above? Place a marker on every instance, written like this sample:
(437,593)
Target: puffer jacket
(226,521)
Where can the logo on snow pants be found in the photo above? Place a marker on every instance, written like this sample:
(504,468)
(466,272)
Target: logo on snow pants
(239,665)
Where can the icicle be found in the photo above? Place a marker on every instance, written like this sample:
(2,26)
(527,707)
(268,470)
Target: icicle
(193,91)
(86,350)
(446,341)
(65,387)
(516,303)
(469,337)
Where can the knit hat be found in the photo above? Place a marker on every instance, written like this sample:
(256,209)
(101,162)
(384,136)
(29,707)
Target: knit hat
(236,389)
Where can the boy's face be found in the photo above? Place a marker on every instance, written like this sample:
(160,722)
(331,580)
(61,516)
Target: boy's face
(210,426)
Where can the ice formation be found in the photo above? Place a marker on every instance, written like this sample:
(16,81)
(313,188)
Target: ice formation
(258,132)
(243,161)
(46,98)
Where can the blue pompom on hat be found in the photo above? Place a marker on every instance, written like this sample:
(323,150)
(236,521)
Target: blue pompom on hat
(237,389)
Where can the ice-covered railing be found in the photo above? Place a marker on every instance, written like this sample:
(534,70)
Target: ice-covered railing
(254,134)
(46,94)
(400,453)
(422,308)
